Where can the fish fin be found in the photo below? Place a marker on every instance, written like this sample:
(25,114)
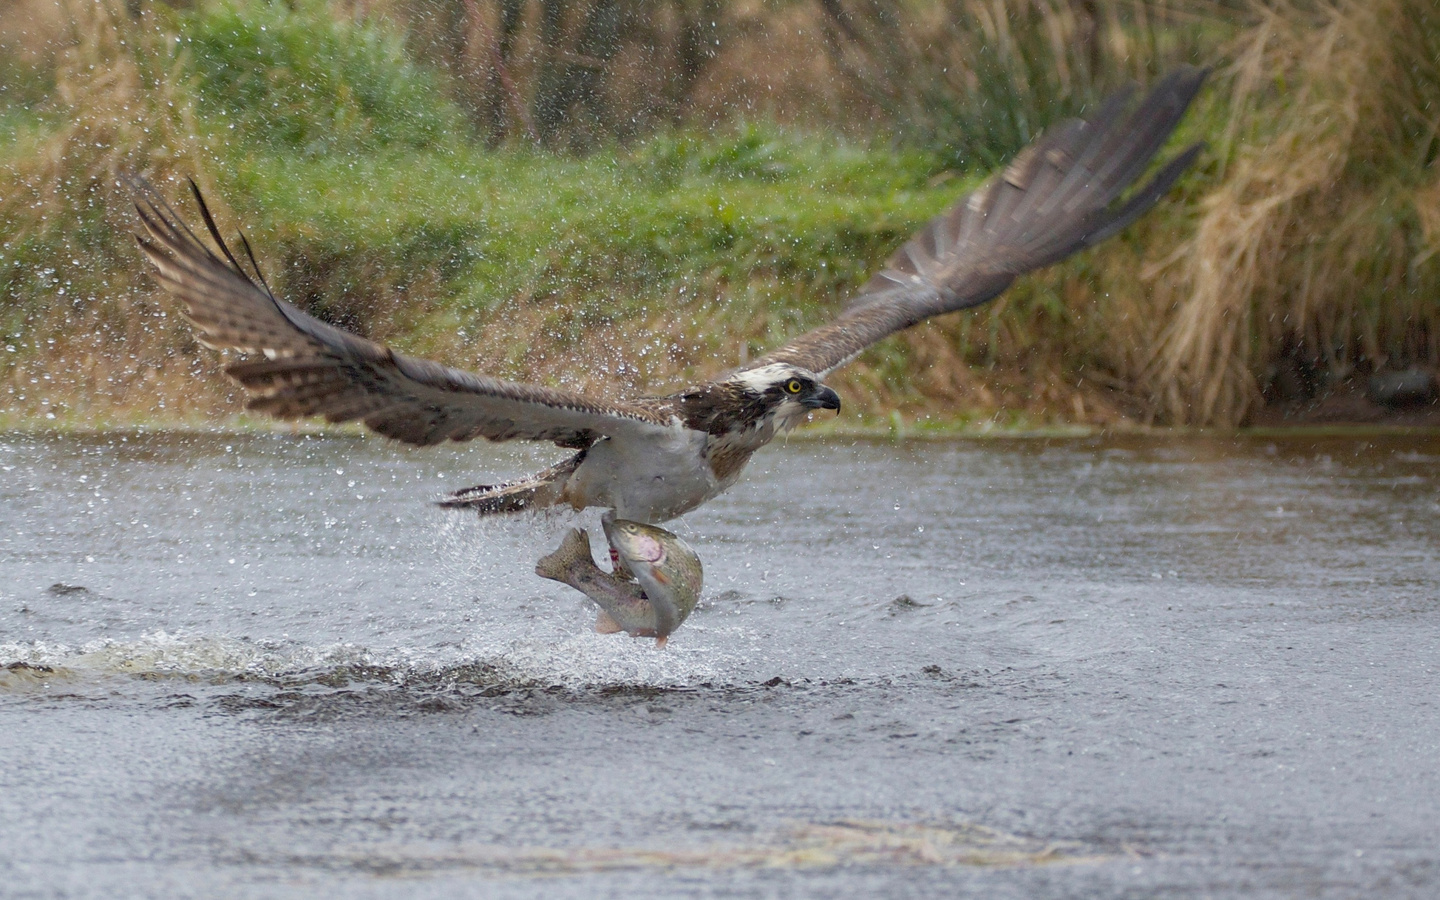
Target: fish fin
(661,641)
(606,624)
(575,548)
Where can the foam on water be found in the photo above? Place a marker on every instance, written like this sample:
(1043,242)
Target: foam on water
(488,622)
(577,662)
(166,654)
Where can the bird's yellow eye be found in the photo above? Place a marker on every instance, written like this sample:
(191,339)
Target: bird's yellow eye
(794,386)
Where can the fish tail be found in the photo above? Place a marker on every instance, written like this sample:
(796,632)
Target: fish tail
(574,550)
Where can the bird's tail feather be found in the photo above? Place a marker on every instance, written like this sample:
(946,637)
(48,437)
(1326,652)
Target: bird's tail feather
(538,491)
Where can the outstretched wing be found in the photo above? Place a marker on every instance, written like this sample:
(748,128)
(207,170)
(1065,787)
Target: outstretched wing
(310,368)
(1057,196)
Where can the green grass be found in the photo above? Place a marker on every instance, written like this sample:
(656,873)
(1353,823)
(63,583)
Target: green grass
(607,237)
(300,77)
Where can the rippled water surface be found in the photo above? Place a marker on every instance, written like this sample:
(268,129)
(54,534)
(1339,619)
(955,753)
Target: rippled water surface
(266,666)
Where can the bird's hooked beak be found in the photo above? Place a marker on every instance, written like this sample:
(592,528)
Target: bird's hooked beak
(823,398)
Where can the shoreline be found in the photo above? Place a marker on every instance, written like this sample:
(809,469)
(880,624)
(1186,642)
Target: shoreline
(913,430)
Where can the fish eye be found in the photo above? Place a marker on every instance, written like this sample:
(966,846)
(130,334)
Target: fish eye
(794,386)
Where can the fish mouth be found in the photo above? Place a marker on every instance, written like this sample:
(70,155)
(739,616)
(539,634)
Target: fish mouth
(823,398)
(607,522)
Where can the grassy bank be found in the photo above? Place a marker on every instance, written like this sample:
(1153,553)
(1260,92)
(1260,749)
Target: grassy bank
(1306,239)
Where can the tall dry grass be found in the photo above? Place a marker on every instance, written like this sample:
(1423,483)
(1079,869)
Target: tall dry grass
(71,296)
(980,79)
(1318,243)
(568,74)
(121,102)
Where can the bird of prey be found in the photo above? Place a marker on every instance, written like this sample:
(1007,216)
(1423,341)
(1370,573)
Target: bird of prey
(650,459)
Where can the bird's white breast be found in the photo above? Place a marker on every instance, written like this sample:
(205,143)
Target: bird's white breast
(646,480)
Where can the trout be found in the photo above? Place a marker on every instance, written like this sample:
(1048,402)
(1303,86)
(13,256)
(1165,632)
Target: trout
(655,585)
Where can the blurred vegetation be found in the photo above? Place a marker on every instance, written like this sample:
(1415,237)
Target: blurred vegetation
(623,196)
(1315,252)
(304,80)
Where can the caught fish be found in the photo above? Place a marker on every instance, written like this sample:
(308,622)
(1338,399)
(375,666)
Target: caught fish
(655,585)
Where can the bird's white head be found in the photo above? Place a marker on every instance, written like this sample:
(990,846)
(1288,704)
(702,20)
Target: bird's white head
(785,393)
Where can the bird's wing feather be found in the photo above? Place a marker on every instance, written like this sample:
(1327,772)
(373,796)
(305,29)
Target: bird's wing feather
(1058,196)
(310,368)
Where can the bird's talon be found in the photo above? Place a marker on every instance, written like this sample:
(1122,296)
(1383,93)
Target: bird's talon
(617,568)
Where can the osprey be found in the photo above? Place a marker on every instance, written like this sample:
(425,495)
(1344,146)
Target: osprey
(651,459)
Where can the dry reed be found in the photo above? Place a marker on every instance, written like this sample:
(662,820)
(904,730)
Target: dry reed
(119,105)
(1318,243)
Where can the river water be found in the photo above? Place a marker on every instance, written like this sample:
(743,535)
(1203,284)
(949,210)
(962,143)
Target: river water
(266,666)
